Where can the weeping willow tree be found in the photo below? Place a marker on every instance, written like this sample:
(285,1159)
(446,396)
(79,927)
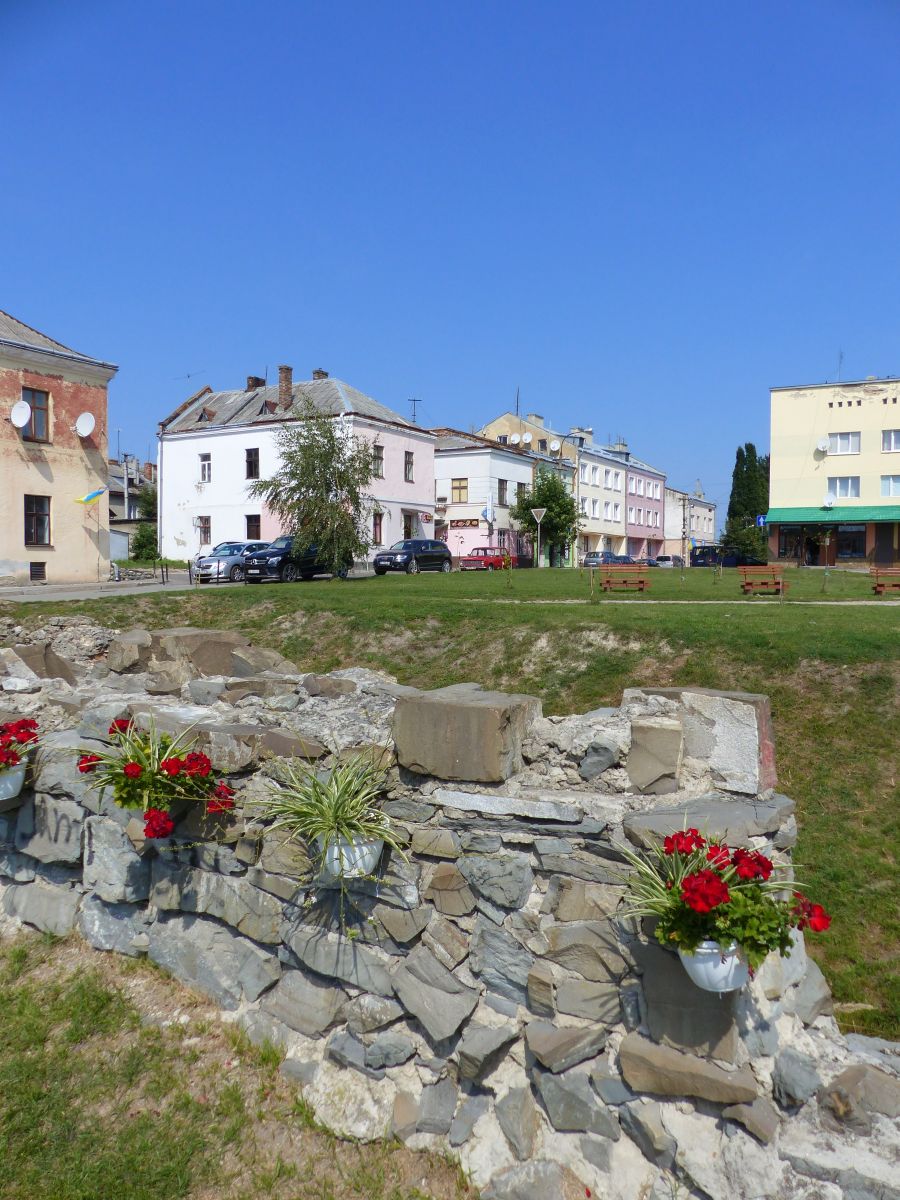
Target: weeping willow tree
(319,492)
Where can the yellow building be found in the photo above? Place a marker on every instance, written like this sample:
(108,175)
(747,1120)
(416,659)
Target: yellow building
(834,472)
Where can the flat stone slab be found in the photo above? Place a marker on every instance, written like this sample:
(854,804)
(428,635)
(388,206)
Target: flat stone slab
(338,957)
(501,962)
(510,806)
(50,829)
(310,1006)
(437,999)
(559,1049)
(212,958)
(719,818)
(504,879)
(654,759)
(679,1013)
(660,1070)
(482,1047)
(572,1106)
(255,913)
(48,908)
(113,870)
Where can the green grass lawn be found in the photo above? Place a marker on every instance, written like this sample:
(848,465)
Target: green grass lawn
(832,672)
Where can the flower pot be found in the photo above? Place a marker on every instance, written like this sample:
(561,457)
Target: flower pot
(349,859)
(716,968)
(11,781)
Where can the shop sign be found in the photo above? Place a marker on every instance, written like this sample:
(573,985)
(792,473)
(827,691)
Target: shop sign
(465,523)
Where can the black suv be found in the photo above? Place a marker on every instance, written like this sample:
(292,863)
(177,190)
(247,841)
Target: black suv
(279,562)
(412,556)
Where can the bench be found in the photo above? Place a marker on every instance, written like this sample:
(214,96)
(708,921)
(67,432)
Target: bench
(768,581)
(624,579)
(885,579)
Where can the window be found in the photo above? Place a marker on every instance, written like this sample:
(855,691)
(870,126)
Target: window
(890,440)
(890,485)
(252,466)
(582,501)
(37,520)
(501,438)
(205,468)
(503,492)
(630,515)
(632,484)
(607,478)
(617,512)
(656,520)
(595,508)
(38,427)
(542,445)
(846,486)
(843,443)
(459,491)
(584,473)
(640,516)
(521,490)
(204,530)
(378,461)
(251,527)
(37,572)
(640,487)
(595,475)
(377,519)
(501,539)
(657,490)
(617,480)
(408,466)
(607,510)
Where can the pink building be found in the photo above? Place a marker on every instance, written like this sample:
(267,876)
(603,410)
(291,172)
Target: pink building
(645,514)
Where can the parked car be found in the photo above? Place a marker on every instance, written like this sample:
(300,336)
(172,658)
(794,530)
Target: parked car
(669,560)
(593,558)
(226,561)
(621,560)
(413,555)
(279,562)
(485,558)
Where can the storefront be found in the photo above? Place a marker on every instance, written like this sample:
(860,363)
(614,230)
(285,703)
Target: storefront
(840,536)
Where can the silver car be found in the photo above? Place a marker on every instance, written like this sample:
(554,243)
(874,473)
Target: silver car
(226,561)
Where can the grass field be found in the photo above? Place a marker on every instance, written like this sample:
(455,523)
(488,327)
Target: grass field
(832,671)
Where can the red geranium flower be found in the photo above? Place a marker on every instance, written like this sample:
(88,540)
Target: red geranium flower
(88,763)
(157,823)
(718,855)
(9,758)
(132,770)
(221,800)
(750,864)
(683,843)
(197,764)
(812,915)
(704,890)
(172,766)
(24,731)
(119,725)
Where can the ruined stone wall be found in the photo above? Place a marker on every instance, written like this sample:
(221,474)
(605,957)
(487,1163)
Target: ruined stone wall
(483,995)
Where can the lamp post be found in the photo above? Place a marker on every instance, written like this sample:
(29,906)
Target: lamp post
(538,514)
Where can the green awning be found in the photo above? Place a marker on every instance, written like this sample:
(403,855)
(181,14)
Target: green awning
(840,514)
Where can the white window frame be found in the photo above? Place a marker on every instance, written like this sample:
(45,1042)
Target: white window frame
(595,476)
(607,477)
(582,500)
(617,511)
(890,485)
(630,514)
(617,480)
(205,468)
(583,473)
(640,486)
(632,485)
(607,510)
(844,487)
(890,441)
(595,508)
(844,443)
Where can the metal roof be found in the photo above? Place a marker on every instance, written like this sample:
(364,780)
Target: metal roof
(842,514)
(16,333)
(331,397)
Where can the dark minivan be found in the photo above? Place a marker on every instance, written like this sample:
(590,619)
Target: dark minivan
(279,562)
(413,555)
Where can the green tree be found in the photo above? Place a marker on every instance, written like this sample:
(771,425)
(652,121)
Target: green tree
(749,499)
(146,502)
(559,525)
(143,544)
(318,492)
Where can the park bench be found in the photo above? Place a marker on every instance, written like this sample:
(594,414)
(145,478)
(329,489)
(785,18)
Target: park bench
(885,579)
(625,579)
(768,581)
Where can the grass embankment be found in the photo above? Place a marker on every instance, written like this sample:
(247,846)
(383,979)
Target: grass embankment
(832,672)
(117,1084)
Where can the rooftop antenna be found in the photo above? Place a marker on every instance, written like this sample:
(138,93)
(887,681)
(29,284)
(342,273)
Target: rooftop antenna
(414,402)
(517,401)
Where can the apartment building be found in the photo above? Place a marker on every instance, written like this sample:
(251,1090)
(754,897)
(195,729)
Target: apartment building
(216,444)
(690,520)
(53,446)
(834,472)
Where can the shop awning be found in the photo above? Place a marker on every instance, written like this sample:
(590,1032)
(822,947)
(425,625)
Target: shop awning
(840,514)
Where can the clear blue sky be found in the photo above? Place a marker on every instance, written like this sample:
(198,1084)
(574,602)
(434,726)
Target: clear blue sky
(642,214)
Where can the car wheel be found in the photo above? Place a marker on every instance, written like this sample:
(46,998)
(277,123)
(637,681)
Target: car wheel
(236,574)
(446,566)
(490,566)
(412,567)
(288,573)
(381,571)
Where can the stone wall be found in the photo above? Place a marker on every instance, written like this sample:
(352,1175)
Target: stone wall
(482,996)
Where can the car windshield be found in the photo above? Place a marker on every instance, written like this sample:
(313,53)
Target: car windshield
(282,543)
(227,548)
(403,546)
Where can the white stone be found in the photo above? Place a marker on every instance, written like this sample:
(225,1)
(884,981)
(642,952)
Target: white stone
(548,808)
(350,1103)
(487,1152)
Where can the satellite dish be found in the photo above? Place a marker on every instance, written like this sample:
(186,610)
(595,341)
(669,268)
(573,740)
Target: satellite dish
(515,439)
(85,424)
(20,414)
(527,439)
(554,445)
(822,445)
(829,500)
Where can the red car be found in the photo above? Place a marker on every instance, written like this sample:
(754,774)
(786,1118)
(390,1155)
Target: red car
(485,558)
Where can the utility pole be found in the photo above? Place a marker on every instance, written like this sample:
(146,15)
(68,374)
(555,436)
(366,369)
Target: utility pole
(414,403)
(685,502)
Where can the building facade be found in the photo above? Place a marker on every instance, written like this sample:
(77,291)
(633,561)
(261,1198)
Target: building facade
(645,507)
(53,446)
(690,520)
(217,444)
(834,473)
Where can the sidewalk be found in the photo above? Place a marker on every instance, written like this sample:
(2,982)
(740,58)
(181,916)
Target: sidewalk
(178,582)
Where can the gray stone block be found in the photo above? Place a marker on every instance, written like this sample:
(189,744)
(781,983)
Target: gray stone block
(518,1117)
(437,1106)
(503,879)
(307,1005)
(366,1013)
(501,962)
(661,1070)
(559,1049)
(654,759)
(114,927)
(679,1013)
(795,1078)
(600,756)
(50,829)
(590,948)
(469,1113)
(389,1049)
(546,806)
(572,1105)
(482,1047)
(759,1118)
(254,913)
(48,908)
(208,956)
(338,957)
(812,999)
(722,819)
(594,1001)
(112,868)
(538,1180)
(437,999)
(642,1122)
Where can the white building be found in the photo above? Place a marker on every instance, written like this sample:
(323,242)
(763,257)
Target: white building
(217,444)
(690,521)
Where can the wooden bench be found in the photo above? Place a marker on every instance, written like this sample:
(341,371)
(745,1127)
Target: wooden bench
(885,579)
(624,579)
(768,581)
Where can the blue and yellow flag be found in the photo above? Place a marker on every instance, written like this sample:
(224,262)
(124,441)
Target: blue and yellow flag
(90,497)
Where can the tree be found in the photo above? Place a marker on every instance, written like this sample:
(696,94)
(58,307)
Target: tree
(318,492)
(559,524)
(143,544)
(749,499)
(146,502)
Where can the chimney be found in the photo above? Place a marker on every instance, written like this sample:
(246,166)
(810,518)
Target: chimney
(285,386)
(318,373)
(254,382)
(535,419)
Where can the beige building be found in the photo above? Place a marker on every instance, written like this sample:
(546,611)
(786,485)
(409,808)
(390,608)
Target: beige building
(834,490)
(53,446)
(690,522)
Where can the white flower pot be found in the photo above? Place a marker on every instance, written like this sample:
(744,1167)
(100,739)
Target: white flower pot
(716,968)
(350,859)
(11,781)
